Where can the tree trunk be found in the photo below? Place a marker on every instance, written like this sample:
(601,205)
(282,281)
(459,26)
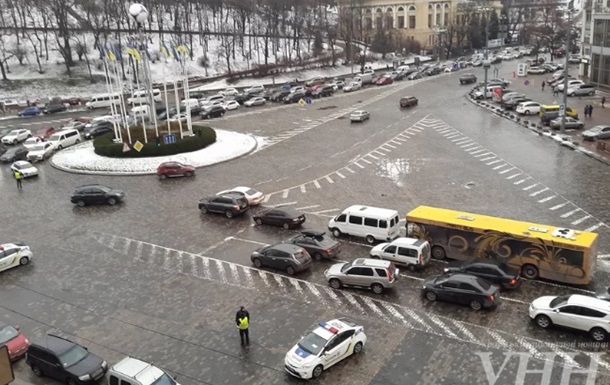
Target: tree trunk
(3,70)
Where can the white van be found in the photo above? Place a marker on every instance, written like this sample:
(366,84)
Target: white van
(191,102)
(135,372)
(142,97)
(489,94)
(104,100)
(140,110)
(371,223)
(411,252)
(64,138)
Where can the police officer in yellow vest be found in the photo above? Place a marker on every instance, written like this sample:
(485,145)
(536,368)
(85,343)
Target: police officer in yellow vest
(18,177)
(242,319)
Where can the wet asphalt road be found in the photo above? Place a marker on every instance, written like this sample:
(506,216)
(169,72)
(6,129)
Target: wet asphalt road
(154,278)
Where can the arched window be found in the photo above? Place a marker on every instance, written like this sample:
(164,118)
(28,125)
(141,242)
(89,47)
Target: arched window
(389,18)
(446,15)
(401,17)
(437,15)
(368,19)
(430,15)
(378,18)
(412,17)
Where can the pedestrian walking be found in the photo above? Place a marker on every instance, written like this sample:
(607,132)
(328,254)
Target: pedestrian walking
(19,178)
(590,110)
(586,111)
(543,84)
(603,101)
(555,91)
(242,319)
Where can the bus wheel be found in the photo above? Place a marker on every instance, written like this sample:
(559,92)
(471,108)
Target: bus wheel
(529,271)
(438,252)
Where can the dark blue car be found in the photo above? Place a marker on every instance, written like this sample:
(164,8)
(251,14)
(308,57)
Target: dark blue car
(30,111)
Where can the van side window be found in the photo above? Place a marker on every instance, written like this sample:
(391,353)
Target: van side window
(405,252)
(390,249)
(341,218)
(355,220)
(370,222)
(113,380)
(383,224)
(381,272)
(123,382)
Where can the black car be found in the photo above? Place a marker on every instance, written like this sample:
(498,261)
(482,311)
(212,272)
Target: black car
(433,71)
(278,96)
(3,149)
(416,75)
(54,108)
(64,360)
(212,112)
(317,244)
(496,273)
(323,91)
(245,96)
(468,78)
(267,93)
(14,153)
(511,104)
(280,216)
(464,289)
(228,204)
(285,257)
(96,194)
(294,97)
(98,128)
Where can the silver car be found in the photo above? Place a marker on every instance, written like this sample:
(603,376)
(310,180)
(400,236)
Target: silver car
(374,274)
(581,89)
(597,132)
(359,116)
(570,123)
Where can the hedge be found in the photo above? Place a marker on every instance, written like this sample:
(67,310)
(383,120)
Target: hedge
(203,137)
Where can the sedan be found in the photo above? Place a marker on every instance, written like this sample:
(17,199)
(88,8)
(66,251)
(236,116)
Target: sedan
(30,111)
(416,75)
(231,105)
(98,128)
(16,343)
(359,116)
(25,168)
(280,216)
(570,123)
(212,112)
(31,142)
(54,108)
(317,244)
(229,92)
(253,196)
(41,151)
(354,86)
(179,118)
(93,194)
(597,132)
(536,70)
(74,125)
(464,289)
(384,81)
(14,153)
(16,136)
(174,169)
(44,133)
(13,255)
(528,108)
(230,205)
(256,101)
(497,273)
(285,257)
(408,101)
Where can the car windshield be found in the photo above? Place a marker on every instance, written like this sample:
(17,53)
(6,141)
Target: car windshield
(104,189)
(324,241)
(30,140)
(346,266)
(560,300)
(21,166)
(7,334)
(312,343)
(72,356)
(251,192)
(164,380)
(54,138)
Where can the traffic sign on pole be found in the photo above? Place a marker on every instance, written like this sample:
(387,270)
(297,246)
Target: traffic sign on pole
(301,102)
(308,101)
(562,109)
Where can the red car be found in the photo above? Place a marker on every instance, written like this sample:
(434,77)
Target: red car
(14,340)
(384,80)
(44,133)
(174,169)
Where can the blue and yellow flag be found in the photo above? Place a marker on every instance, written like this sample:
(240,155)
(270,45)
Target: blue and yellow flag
(165,51)
(110,54)
(184,49)
(134,53)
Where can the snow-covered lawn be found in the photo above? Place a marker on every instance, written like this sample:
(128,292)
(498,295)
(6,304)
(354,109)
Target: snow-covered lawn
(82,159)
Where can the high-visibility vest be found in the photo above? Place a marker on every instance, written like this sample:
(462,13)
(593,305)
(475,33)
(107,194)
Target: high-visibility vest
(243,323)
(18,175)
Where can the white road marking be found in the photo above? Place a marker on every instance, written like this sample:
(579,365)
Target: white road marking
(520,181)
(392,310)
(328,179)
(475,151)
(483,154)
(234,272)
(312,288)
(371,305)
(266,198)
(494,162)
(581,220)
(365,161)
(307,207)
(547,199)
(305,168)
(444,327)
(263,275)
(507,170)
(340,175)
(372,156)
(316,183)
(284,204)
(500,166)
(325,211)
(303,190)
(249,278)
(285,193)
(221,269)
(558,206)
(358,164)
(465,331)
(418,319)
(570,213)
(349,169)
(487,158)
(297,286)
(279,280)
(594,227)
(530,187)
(501,341)
(249,241)
(511,176)
(139,250)
(350,298)
(539,192)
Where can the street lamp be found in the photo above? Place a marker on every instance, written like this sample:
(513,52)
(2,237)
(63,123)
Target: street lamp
(486,62)
(565,79)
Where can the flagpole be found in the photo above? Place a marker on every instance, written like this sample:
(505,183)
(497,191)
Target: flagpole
(185,83)
(120,86)
(111,92)
(140,100)
(169,129)
(149,86)
(178,106)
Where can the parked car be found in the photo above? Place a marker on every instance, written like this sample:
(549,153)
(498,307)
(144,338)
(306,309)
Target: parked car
(597,132)
(231,105)
(254,90)
(432,71)
(174,169)
(12,337)
(353,86)
(603,294)
(385,80)
(14,153)
(571,123)
(30,111)
(502,81)
(574,59)
(317,243)
(96,194)
(314,81)
(60,358)
(294,97)
(213,112)
(546,117)
(581,90)
(278,96)
(256,101)
(528,108)
(512,103)
(410,252)
(468,78)
(230,205)
(98,128)
(496,273)
(14,254)
(572,83)
(282,256)
(31,142)
(4,132)
(536,70)
(16,136)
(365,273)
(54,108)
(285,217)
(408,101)
(253,196)
(229,92)
(574,311)
(25,168)
(325,90)
(463,289)
(359,116)
(41,151)
(44,133)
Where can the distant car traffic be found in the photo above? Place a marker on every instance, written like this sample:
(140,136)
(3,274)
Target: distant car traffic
(463,289)
(96,194)
(230,205)
(359,116)
(11,337)
(285,217)
(385,80)
(282,256)
(536,70)
(254,197)
(353,86)
(494,272)
(98,128)
(16,136)
(597,132)
(45,132)
(174,169)
(30,111)
(528,108)
(570,123)
(231,105)
(54,108)
(408,101)
(229,92)
(317,243)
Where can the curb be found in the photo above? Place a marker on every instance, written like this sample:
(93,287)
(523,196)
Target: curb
(253,148)
(538,129)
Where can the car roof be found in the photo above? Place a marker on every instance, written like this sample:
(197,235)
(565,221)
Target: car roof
(408,241)
(371,262)
(371,211)
(462,277)
(53,343)
(585,300)
(130,367)
(91,185)
(286,210)
(286,247)
(313,233)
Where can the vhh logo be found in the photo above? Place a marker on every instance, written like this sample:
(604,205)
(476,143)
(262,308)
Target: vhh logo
(542,376)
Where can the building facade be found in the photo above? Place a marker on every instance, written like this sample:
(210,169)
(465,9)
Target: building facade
(599,64)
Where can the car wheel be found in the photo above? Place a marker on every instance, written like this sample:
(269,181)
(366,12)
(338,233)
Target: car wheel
(529,271)
(162,176)
(77,141)
(411,267)
(543,321)
(438,252)
(335,283)
(286,226)
(599,334)
(572,94)
(317,371)
(70,381)
(258,221)
(370,239)
(188,174)
(290,270)
(36,370)
(317,256)
(357,348)
(229,214)
(336,233)
(24,261)
(203,209)
(527,112)
(377,288)
(257,262)
(431,296)
(476,305)
(591,93)
(60,147)
(80,203)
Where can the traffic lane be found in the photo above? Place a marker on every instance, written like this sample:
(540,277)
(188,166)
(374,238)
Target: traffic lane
(30,122)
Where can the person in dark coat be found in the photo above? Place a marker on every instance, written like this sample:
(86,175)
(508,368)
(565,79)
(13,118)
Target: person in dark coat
(242,319)
(590,110)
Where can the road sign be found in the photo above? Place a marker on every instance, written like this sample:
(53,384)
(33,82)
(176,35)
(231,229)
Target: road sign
(138,146)
(527,82)
(169,139)
(126,147)
(308,101)
(301,102)
(562,109)
(521,69)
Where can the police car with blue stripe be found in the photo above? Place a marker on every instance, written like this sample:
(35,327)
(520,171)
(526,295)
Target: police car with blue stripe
(326,345)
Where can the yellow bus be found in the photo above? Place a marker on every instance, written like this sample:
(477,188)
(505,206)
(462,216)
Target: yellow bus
(548,252)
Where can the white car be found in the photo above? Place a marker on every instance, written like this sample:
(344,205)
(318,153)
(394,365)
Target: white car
(256,101)
(16,136)
(41,151)
(179,118)
(14,254)
(337,84)
(231,105)
(571,84)
(359,116)
(528,108)
(298,89)
(229,92)
(574,311)
(353,86)
(208,105)
(254,89)
(536,70)
(253,196)
(25,168)
(326,345)
(31,142)
(74,125)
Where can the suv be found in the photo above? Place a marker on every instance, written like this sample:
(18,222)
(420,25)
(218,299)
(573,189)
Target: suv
(408,101)
(212,112)
(468,78)
(96,193)
(547,116)
(323,91)
(410,252)
(228,204)
(135,372)
(367,273)
(64,360)
(282,256)
(294,97)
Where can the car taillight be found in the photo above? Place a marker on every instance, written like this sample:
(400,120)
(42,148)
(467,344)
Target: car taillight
(390,275)
(236,208)
(512,281)
(420,259)
(490,297)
